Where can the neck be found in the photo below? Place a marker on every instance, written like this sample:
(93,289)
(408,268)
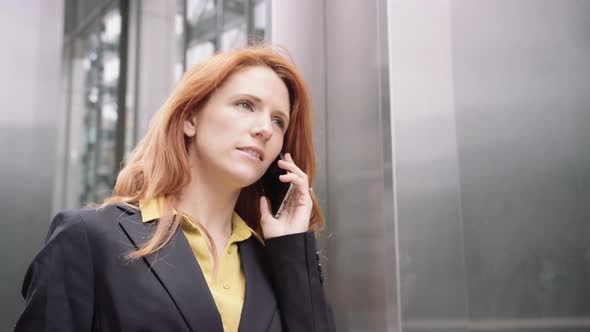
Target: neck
(209,202)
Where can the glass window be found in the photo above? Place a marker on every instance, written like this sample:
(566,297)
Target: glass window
(221,25)
(93,110)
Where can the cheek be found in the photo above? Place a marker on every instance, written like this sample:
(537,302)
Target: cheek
(277,146)
(228,123)
(217,129)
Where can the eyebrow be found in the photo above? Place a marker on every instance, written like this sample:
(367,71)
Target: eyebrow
(259,101)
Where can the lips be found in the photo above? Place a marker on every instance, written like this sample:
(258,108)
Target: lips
(253,151)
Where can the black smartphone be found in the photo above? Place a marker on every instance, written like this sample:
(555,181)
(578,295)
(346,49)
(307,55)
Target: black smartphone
(276,191)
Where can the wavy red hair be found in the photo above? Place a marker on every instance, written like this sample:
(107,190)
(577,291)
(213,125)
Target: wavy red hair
(159,164)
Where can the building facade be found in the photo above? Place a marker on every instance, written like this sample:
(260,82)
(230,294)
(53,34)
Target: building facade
(452,140)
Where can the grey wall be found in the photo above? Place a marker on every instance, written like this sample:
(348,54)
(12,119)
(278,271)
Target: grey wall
(487,131)
(361,259)
(31,35)
(427,193)
(155,59)
(306,46)
(340,47)
(522,93)
(491,111)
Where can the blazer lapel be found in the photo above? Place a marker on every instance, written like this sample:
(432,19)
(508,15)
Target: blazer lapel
(259,303)
(177,269)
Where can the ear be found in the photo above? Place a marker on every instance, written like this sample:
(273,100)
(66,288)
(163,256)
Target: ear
(190,126)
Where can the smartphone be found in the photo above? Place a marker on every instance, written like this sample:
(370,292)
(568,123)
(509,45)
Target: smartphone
(276,191)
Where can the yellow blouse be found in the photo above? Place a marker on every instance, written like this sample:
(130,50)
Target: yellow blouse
(229,286)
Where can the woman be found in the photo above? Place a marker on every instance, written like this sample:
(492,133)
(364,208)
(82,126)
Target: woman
(187,241)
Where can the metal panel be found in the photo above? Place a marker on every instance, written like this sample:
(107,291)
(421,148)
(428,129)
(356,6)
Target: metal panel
(355,167)
(306,44)
(346,70)
(158,55)
(32,35)
(490,114)
(522,91)
(432,271)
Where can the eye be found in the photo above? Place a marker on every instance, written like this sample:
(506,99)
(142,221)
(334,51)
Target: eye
(279,122)
(245,105)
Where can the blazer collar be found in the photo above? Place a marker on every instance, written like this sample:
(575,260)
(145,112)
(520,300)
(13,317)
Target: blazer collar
(177,269)
(152,209)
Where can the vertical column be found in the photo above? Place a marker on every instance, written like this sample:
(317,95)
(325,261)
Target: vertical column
(356,168)
(155,67)
(427,193)
(30,119)
(122,86)
(337,46)
(298,26)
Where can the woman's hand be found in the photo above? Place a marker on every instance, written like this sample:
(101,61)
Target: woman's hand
(296,215)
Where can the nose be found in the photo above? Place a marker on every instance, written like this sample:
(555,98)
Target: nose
(263,129)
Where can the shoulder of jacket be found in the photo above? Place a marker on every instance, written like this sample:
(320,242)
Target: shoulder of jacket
(91,217)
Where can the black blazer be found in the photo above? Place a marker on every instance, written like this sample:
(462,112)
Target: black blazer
(80,282)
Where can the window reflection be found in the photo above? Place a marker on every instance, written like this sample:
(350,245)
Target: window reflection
(95,76)
(221,25)
(199,29)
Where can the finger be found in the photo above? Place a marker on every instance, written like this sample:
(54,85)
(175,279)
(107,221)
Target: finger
(290,166)
(264,208)
(300,185)
(293,178)
(289,158)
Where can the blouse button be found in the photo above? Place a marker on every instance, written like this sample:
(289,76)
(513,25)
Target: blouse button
(226,287)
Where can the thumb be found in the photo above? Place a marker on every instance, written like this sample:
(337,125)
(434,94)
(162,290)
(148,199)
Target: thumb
(264,209)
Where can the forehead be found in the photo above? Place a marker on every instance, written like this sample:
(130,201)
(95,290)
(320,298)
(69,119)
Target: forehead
(261,82)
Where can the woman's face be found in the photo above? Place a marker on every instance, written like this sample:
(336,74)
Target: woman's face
(240,130)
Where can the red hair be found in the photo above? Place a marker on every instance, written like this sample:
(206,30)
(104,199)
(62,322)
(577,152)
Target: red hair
(159,164)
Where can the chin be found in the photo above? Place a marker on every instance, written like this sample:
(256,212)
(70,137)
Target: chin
(245,178)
